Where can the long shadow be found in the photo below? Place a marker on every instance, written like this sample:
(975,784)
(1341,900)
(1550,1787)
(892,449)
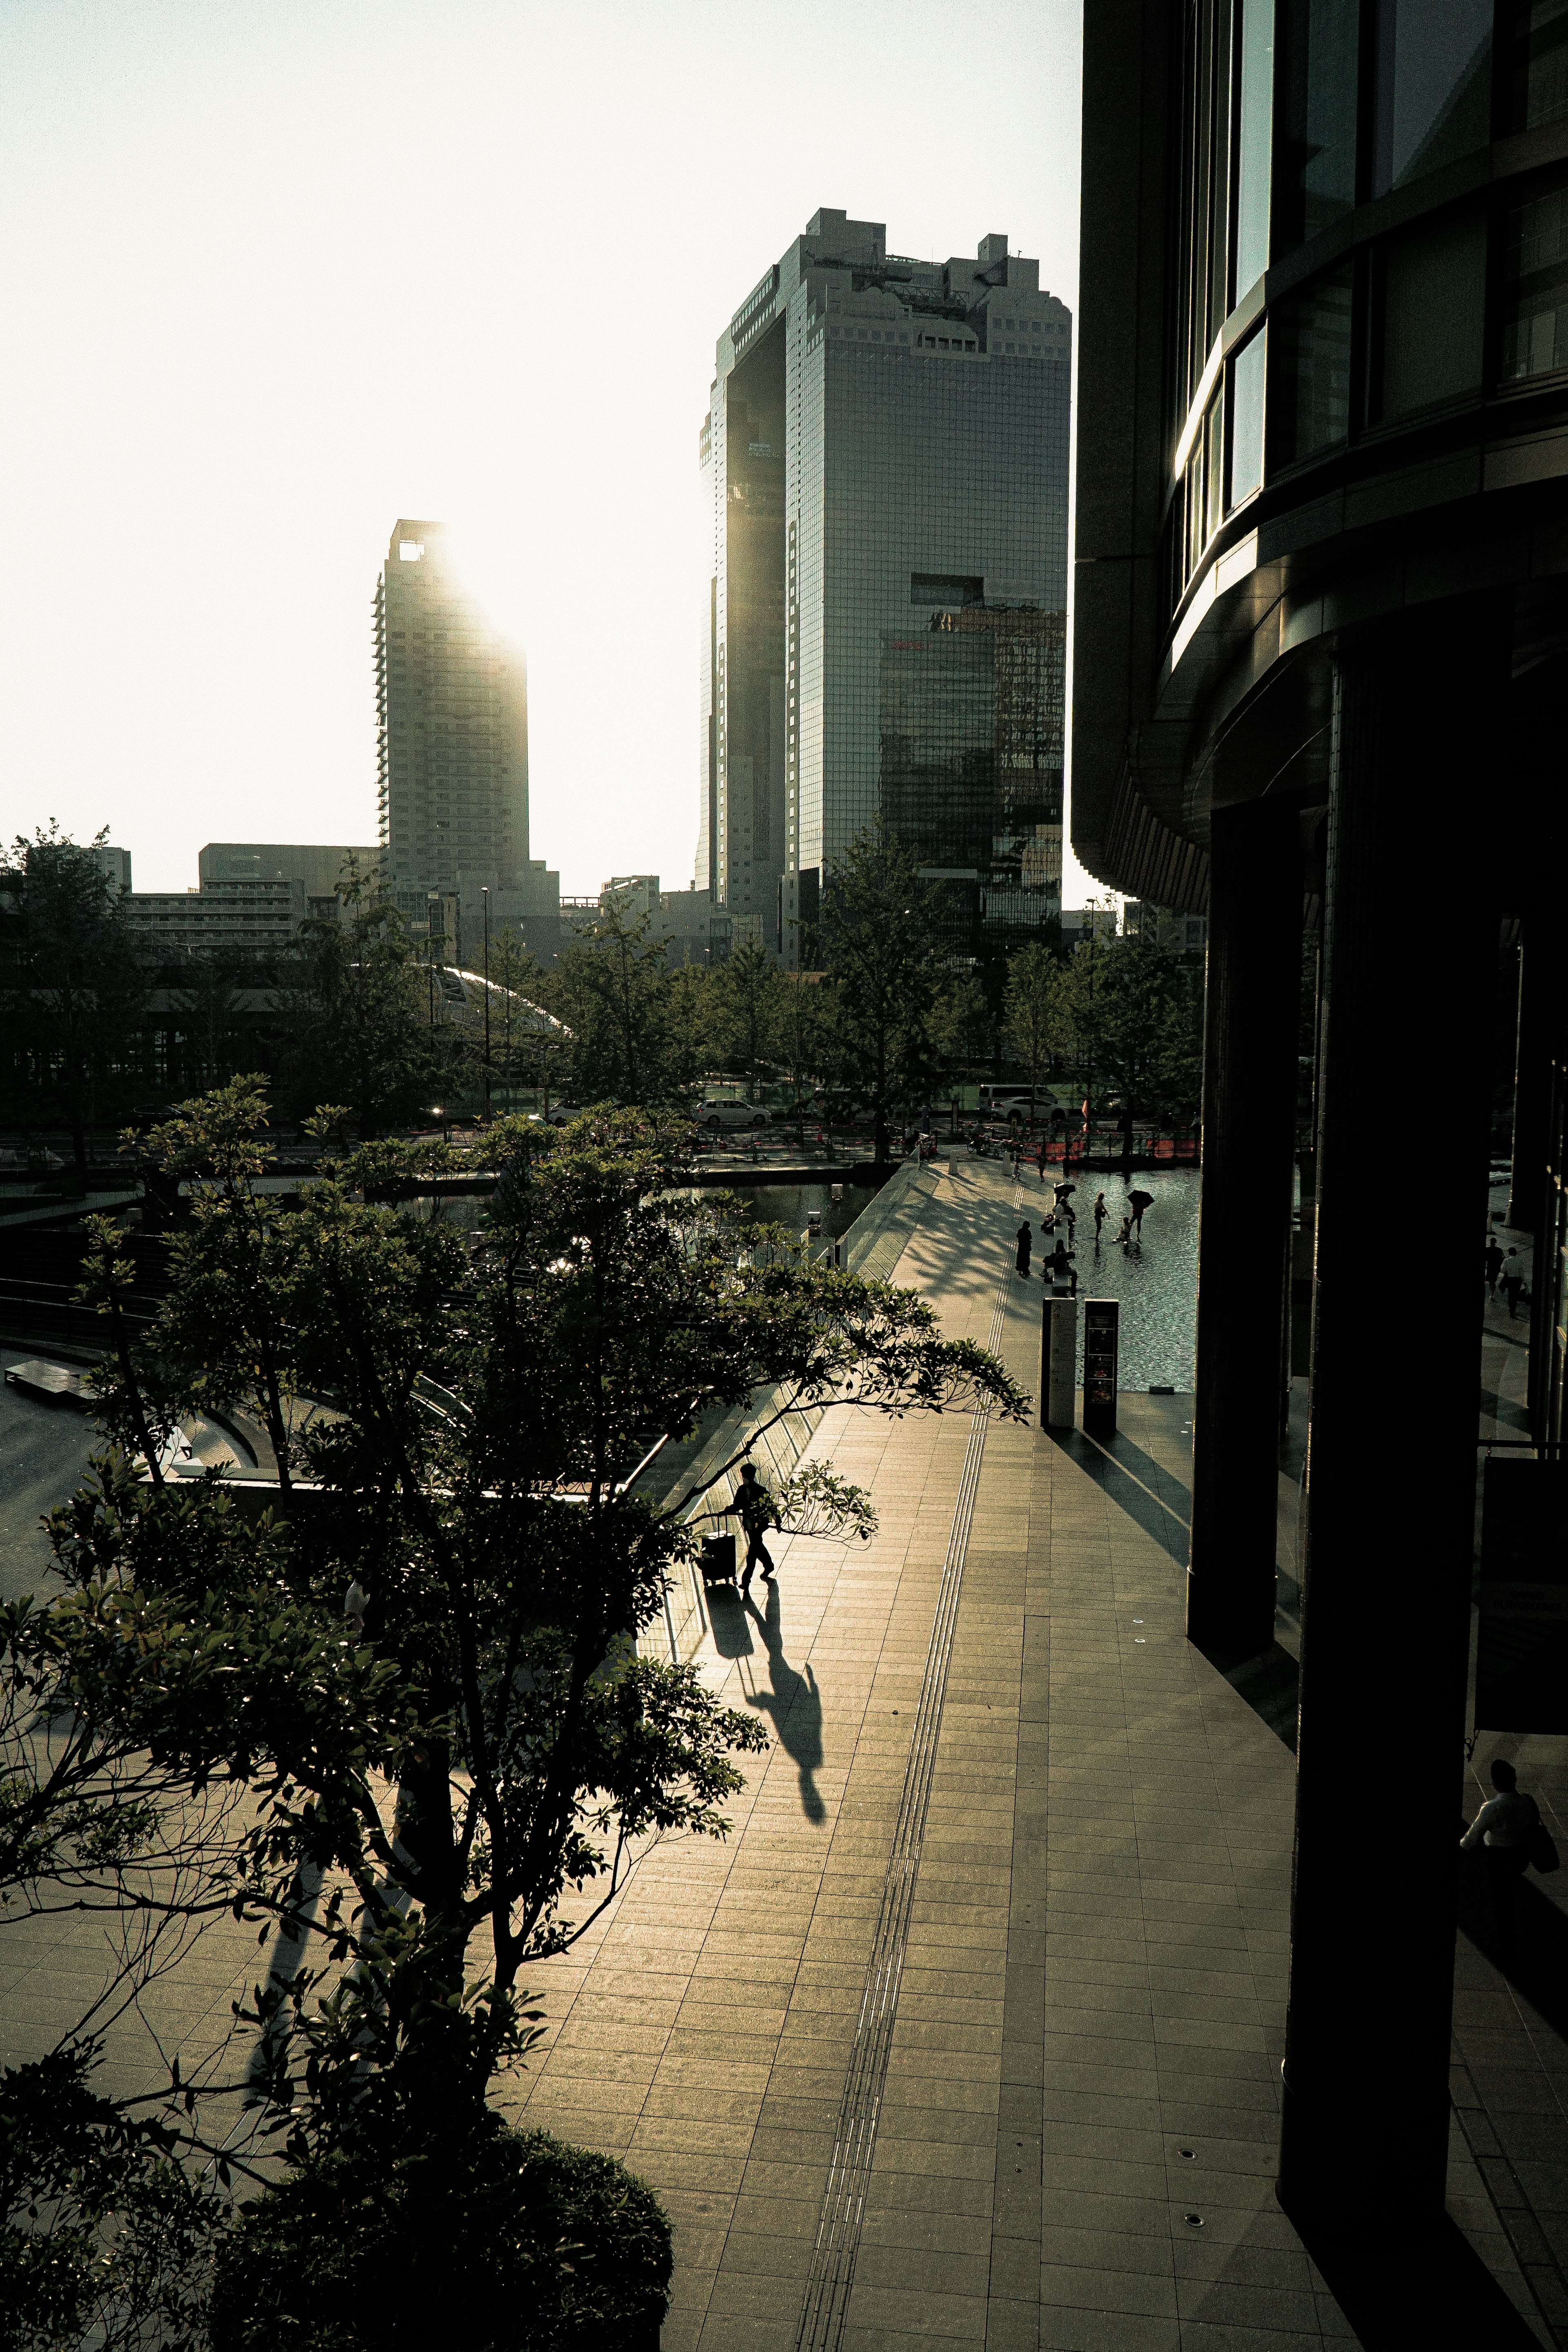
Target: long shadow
(1503,1409)
(1538,1971)
(794,1706)
(1404,2296)
(1127,1476)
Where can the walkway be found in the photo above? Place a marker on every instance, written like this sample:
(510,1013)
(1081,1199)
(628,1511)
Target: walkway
(1002,2072)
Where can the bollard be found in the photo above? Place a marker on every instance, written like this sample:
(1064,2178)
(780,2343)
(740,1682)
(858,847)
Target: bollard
(1058,1359)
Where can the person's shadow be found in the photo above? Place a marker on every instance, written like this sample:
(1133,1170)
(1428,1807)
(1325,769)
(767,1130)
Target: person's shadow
(795,1704)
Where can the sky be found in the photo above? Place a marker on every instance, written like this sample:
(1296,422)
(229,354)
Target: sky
(276,274)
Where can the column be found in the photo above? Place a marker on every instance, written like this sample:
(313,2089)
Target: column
(1251,1014)
(1391,1474)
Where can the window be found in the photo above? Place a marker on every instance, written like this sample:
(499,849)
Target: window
(1247,380)
(1431,303)
(1535,285)
(1315,162)
(1310,371)
(1255,140)
(1433,98)
(1536,64)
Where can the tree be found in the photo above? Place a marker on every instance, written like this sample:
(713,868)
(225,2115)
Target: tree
(433,1803)
(358,1012)
(690,1023)
(209,1007)
(806,1033)
(77,987)
(609,990)
(877,934)
(748,993)
(1037,1020)
(1137,1023)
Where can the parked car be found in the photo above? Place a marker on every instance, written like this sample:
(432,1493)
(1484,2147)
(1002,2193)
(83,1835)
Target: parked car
(733,1113)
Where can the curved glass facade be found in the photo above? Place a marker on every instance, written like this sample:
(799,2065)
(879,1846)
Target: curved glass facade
(1317,300)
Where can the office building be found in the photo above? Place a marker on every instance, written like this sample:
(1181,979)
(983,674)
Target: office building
(452,729)
(1320,673)
(317,868)
(885,470)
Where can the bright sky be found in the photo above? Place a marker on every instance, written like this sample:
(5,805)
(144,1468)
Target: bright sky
(278,273)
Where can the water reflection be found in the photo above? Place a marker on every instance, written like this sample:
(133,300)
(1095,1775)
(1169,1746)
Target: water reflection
(1157,1280)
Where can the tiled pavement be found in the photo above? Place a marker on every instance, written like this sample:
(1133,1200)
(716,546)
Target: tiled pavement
(1076,2140)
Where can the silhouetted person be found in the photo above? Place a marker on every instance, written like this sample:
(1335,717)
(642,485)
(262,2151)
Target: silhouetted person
(1494,1264)
(1101,1215)
(1059,1267)
(1125,1236)
(1504,1823)
(1512,1281)
(1138,1203)
(753,1507)
(1026,1245)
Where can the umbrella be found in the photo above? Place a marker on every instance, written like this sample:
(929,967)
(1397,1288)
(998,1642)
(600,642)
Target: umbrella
(1141,1200)
(1063,1190)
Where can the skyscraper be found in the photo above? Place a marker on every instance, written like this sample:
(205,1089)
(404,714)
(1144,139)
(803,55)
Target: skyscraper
(885,461)
(452,721)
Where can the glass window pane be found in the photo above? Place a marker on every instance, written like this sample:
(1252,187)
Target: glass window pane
(1310,371)
(1537,64)
(1255,142)
(1433,285)
(1535,286)
(1246,376)
(1315,165)
(1433,86)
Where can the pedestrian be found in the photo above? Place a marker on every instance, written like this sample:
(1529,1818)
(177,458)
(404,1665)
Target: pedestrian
(1502,1829)
(1138,1203)
(1026,1245)
(1040,1159)
(1512,1281)
(1059,1267)
(1071,1214)
(1494,1264)
(753,1507)
(1101,1215)
(1124,1237)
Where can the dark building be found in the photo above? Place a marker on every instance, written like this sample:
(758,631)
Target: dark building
(1321,678)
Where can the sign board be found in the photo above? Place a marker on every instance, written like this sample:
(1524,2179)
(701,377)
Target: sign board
(1521,1660)
(1058,1359)
(1100,1320)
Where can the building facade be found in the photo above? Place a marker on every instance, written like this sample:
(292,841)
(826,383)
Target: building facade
(452,747)
(1320,672)
(885,471)
(318,867)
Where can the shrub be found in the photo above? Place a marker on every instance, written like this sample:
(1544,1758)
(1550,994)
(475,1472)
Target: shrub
(513,2242)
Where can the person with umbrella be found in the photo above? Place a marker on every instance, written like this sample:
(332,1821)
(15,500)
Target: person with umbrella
(1138,1203)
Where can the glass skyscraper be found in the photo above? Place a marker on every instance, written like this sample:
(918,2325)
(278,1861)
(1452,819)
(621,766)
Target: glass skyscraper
(885,461)
(452,727)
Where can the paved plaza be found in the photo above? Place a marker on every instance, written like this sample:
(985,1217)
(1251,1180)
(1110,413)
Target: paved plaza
(970,2034)
(1012,2082)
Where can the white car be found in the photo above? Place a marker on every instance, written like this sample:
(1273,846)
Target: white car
(733,1113)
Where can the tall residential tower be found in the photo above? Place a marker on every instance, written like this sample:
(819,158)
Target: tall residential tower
(884,458)
(452,720)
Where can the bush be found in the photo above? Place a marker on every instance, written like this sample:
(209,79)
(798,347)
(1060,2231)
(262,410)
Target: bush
(514,2242)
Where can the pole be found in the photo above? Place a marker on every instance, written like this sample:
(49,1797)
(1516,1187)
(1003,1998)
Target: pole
(485,894)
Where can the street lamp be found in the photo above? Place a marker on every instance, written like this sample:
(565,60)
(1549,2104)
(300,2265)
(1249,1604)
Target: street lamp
(485,896)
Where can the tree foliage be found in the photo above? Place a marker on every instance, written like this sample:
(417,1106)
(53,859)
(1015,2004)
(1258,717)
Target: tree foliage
(423,1791)
(877,944)
(356,1002)
(76,987)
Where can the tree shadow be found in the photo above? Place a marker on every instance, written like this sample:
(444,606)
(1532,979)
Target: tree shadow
(794,1704)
